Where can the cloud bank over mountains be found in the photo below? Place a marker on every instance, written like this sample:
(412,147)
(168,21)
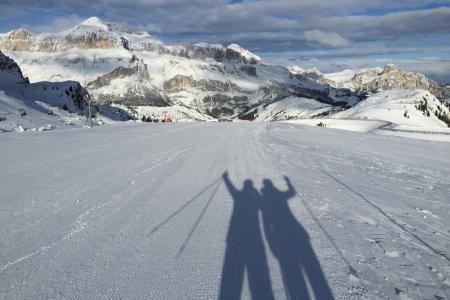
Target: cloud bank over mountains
(295,32)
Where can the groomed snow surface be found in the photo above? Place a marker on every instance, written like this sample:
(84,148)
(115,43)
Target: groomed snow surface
(223,210)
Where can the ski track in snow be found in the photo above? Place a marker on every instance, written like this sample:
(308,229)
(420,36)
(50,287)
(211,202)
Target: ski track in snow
(79,225)
(140,211)
(315,163)
(81,221)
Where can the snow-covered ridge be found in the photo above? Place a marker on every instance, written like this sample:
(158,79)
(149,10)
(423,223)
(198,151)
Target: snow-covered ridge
(94,33)
(95,22)
(415,110)
(372,80)
(250,57)
(406,113)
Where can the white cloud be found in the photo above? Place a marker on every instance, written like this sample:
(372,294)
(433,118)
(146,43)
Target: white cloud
(58,24)
(328,39)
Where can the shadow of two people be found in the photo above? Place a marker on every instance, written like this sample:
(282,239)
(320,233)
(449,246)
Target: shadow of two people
(287,239)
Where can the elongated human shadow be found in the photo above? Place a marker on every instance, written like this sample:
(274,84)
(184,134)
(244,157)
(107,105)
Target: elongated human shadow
(245,251)
(289,242)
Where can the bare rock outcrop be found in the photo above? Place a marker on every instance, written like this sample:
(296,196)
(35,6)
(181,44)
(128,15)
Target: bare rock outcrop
(11,69)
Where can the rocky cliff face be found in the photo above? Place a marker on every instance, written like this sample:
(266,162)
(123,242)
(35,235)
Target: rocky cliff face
(9,68)
(392,77)
(129,86)
(180,83)
(91,34)
(16,40)
(370,81)
(139,69)
(96,34)
(203,51)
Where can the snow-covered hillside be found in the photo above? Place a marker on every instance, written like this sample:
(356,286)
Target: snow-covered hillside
(223,210)
(405,109)
(45,105)
(19,115)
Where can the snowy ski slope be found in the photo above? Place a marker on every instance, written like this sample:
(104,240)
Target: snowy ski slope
(145,211)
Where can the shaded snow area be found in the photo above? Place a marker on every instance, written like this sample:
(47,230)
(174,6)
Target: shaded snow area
(223,210)
(37,116)
(43,116)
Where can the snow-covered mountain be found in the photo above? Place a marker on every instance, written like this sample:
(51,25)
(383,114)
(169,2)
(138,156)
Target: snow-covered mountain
(24,105)
(416,110)
(369,81)
(411,110)
(45,105)
(142,77)
(136,69)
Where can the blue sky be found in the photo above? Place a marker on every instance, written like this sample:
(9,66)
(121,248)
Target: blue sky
(329,35)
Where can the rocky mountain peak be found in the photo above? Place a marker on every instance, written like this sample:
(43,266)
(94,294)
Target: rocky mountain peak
(95,22)
(19,39)
(20,33)
(296,70)
(366,82)
(235,51)
(366,75)
(390,68)
(142,70)
(391,77)
(313,72)
(137,67)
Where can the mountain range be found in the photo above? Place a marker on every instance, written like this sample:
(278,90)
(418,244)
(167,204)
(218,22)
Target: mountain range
(133,75)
